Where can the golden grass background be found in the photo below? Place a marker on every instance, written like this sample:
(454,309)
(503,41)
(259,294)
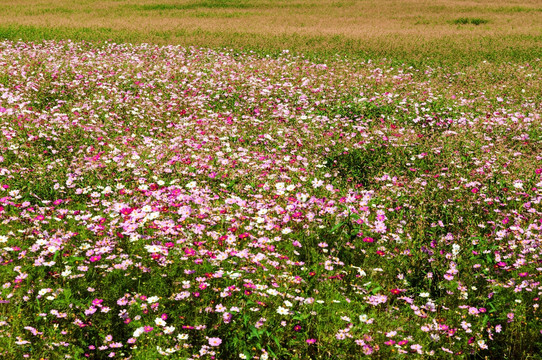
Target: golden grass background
(407,29)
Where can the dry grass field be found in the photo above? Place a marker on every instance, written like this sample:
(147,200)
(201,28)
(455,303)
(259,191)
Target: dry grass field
(413,30)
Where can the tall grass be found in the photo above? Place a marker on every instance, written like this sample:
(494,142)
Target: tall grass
(413,32)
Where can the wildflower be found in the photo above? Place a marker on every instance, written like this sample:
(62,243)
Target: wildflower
(215,341)
(377,299)
(473,311)
(191,185)
(283,311)
(317,183)
(147,329)
(417,348)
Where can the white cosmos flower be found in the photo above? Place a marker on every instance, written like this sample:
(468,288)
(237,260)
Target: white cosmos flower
(44,291)
(191,185)
(286,231)
(153,248)
(146,208)
(283,311)
(139,331)
(317,183)
(272,292)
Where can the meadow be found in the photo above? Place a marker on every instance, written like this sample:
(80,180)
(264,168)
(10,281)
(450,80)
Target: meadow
(229,179)
(410,31)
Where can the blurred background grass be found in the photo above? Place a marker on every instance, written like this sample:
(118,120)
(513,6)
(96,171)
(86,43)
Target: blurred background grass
(406,31)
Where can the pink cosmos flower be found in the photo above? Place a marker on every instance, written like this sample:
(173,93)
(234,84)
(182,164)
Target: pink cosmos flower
(215,341)
(148,329)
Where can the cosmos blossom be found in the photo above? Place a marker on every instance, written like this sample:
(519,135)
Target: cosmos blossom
(215,341)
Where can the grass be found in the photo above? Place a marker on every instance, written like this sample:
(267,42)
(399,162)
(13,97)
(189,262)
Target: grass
(466,21)
(412,32)
(214,4)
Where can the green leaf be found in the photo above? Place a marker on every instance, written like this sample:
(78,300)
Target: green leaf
(493,309)
(337,226)
(276,340)
(254,332)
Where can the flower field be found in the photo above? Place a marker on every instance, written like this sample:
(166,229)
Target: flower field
(185,203)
